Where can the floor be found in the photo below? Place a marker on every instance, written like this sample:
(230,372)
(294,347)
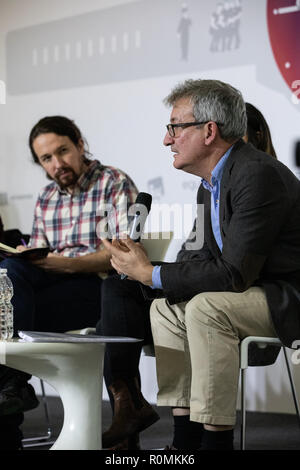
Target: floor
(265,431)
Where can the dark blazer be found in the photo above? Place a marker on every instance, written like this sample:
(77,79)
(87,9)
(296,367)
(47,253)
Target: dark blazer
(260,229)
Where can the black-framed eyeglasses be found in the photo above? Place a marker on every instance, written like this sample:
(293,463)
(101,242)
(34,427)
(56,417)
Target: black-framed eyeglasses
(182,125)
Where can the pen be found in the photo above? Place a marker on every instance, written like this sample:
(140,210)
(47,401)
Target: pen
(23,242)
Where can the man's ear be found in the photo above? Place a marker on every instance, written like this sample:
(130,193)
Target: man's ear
(80,146)
(211,132)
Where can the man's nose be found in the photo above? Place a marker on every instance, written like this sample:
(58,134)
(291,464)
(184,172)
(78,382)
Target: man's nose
(168,140)
(57,161)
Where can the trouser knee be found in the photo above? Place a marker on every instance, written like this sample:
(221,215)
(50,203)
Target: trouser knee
(205,309)
(19,269)
(11,264)
(155,311)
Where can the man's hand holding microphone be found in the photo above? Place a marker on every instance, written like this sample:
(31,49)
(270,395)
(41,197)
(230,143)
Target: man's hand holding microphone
(128,256)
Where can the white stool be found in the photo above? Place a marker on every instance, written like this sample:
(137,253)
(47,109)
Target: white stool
(75,371)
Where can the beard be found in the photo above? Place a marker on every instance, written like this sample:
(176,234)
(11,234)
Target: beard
(66,177)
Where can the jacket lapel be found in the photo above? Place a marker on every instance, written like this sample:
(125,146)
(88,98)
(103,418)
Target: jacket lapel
(209,235)
(225,182)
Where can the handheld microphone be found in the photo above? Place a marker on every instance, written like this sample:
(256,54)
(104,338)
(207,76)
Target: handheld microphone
(140,210)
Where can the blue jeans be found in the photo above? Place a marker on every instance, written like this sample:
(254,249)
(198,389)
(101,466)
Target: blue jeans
(47,301)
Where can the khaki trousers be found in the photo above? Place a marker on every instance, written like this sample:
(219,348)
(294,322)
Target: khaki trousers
(197,350)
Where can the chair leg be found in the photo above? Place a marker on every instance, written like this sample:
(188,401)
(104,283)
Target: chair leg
(45,439)
(243,409)
(46,409)
(293,388)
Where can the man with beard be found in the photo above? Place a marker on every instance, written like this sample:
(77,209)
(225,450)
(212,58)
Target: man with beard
(61,291)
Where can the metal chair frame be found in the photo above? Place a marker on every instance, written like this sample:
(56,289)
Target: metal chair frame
(262,342)
(44,439)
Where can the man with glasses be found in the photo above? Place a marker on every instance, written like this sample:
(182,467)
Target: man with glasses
(244,280)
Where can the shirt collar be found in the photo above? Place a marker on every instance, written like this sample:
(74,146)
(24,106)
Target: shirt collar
(216,174)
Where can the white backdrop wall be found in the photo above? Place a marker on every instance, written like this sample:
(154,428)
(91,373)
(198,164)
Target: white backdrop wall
(108,64)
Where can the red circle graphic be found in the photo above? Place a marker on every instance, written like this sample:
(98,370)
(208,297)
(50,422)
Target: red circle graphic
(283,18)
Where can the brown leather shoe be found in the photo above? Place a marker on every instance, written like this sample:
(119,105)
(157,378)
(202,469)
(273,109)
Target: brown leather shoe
(127,419)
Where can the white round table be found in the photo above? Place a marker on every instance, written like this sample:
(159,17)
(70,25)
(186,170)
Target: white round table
(75,371)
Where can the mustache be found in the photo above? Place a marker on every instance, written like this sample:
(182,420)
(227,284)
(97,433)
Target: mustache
(61,171)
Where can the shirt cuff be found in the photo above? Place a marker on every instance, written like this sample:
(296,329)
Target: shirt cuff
(156,280)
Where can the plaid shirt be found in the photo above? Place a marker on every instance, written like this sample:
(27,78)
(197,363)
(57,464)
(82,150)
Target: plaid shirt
(71,224)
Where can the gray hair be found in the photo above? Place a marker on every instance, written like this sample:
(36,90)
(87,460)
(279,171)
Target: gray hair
(216,101)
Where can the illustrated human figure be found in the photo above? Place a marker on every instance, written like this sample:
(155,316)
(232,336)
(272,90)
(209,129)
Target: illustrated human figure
(183,31)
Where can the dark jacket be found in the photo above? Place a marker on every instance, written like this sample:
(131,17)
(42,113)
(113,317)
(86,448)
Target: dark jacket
(260,229)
